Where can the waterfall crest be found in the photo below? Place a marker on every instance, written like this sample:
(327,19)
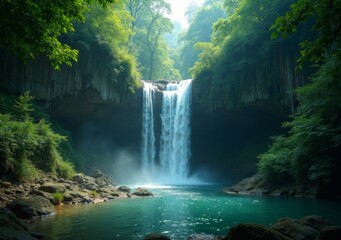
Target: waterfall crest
(174,152)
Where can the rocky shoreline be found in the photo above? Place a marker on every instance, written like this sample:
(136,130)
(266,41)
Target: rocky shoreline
(306,228)
(254,185)
(81,189)
(35,198)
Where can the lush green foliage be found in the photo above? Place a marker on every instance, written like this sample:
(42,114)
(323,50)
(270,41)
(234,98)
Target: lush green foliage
(200,30)
(241,64)
(311,151)
(104,36)
(327,17)
(26,146)
(147,41)
(30,28)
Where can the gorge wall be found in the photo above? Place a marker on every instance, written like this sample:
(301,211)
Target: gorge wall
(105,121)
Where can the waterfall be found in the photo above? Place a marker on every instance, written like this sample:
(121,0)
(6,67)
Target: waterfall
(148,137)
(174,152)
(175,130)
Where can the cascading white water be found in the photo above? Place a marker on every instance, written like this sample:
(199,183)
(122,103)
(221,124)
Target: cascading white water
(148,137)
(174,150)
(175,131)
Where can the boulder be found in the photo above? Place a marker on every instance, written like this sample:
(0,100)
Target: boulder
(115,194)
(91,186)
(316,222)
(330,233)
(78,178)
(142,192)
(52,187)
(98,174)
(156,236)
(43,194)
(249,185)
(247,231)
(124,189)
(295,229)
(32,206)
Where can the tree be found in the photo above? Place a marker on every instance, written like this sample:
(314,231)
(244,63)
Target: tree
(327,17)
(32,28)
(147,41)
(200,30)
(314,139)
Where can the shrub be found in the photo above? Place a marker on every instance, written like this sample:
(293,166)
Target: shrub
(26,146)
(65,169)
(57,197)
(93,194)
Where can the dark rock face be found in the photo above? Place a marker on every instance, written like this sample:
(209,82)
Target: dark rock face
(32,206)
(156,236)
(142,192)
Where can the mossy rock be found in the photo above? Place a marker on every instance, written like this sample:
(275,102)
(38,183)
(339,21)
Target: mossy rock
(32,206)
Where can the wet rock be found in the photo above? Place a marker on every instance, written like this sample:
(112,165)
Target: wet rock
(43,194)
(249,185)
(247,231)
(32,206)
(330,233)
(295,229)
(52,187)
(316,222)
(156,236)
(78,178)
(124,189)
(142,192)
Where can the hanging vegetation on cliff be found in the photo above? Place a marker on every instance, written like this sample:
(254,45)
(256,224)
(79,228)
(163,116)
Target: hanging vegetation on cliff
(241,64)
(311,152)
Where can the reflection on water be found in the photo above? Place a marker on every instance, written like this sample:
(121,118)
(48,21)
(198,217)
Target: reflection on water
(177,212)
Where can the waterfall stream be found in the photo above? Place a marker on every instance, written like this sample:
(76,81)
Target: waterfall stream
(174,152)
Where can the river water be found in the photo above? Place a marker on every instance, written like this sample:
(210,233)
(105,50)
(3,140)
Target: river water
(177,211)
